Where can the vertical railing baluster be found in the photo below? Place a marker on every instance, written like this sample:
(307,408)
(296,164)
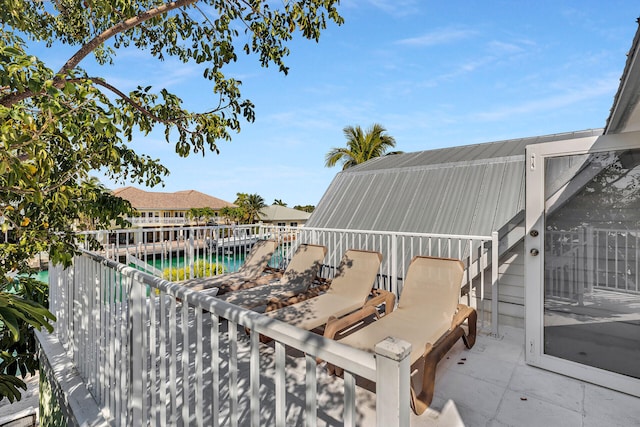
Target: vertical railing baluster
(199,359)
(164,382)
(254,378)
(102,361)
(233,372)
(280,380)
(153,356)
(138,374)
(173,360)
(349,399)
(215,369)
(184,309)
(123,398)
(311,387)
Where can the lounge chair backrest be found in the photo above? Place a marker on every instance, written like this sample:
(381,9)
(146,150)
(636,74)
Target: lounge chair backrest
(432,287)
(258,258)
(304,265)
(356,274)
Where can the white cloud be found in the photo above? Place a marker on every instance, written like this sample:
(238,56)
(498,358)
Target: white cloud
(397,8)
(438,37)
(504,48)
(572,96)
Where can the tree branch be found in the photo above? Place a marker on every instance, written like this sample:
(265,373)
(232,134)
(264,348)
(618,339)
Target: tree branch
(85,50)
(119,28)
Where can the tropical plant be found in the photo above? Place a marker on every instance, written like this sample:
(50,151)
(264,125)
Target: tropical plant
(201,268)
(58,126)
(201,214)
(251,205)
(361,146)
(279,202)
(22,308)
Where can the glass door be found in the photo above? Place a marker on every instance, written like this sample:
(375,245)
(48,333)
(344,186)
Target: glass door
(582,259)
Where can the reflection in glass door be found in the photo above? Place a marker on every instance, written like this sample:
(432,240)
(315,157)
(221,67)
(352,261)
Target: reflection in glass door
(591,312)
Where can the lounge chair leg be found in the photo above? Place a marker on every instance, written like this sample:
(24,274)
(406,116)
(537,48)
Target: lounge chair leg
(421,401)
(472,323)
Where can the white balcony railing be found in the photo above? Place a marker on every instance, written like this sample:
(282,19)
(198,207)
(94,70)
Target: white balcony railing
(139,221)
(154,352)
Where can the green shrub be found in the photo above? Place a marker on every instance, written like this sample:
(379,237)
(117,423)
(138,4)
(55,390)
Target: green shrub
(201,268)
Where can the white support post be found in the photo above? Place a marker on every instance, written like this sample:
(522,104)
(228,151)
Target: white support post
(392,382)
(394,265)
(590,259)
(495,263)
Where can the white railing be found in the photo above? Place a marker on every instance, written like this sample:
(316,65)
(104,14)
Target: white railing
(578,261)
(226,245)
(153,352)
(616,258)
(157,220)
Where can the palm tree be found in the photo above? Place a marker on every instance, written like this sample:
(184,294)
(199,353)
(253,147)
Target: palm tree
(251,204)
(361,146)
(279,202)
(254,205)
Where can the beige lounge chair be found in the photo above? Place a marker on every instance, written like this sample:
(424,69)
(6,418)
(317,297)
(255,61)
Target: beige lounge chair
(349,291)
(299,276)
(428,316)
(255,263)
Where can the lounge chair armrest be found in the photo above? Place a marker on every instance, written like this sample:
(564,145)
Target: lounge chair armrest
(268,269)
(275,303)
(462,313)
(335,325)
(471,316)
(263,280)
(321,281)
(380,296)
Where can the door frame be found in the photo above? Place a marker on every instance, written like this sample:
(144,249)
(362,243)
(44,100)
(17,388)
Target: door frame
(535,157)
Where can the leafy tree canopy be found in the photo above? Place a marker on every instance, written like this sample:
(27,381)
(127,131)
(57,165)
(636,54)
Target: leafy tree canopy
(56,126)
(250,205)
(305,208)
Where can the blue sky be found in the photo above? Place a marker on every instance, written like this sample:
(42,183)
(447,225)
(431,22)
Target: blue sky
(434,74)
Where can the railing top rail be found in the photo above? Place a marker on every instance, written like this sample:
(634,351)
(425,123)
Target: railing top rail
(305,228)
(353,360)
(402,233)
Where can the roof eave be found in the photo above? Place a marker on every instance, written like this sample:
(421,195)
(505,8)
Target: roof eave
(627,97)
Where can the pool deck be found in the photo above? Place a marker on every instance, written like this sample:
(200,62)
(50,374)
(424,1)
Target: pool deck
(489,385)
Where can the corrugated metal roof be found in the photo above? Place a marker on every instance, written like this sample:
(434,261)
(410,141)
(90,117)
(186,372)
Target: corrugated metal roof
(463,153)
(471,190)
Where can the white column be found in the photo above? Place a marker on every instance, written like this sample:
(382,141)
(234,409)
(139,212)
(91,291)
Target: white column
(392,382)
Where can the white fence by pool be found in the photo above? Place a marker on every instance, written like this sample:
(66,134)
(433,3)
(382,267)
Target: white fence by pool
(154,352)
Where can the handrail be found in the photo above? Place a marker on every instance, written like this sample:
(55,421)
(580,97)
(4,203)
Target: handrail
(357,361)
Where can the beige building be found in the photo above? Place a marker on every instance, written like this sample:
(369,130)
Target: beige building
(156,209)
(283,216)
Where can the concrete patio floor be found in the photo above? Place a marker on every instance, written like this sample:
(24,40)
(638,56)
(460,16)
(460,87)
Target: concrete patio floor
(492,386)
(489,385)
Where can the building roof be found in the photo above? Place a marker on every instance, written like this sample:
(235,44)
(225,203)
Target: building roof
(180,200)
(276,213)
(469,190)
(625,113)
